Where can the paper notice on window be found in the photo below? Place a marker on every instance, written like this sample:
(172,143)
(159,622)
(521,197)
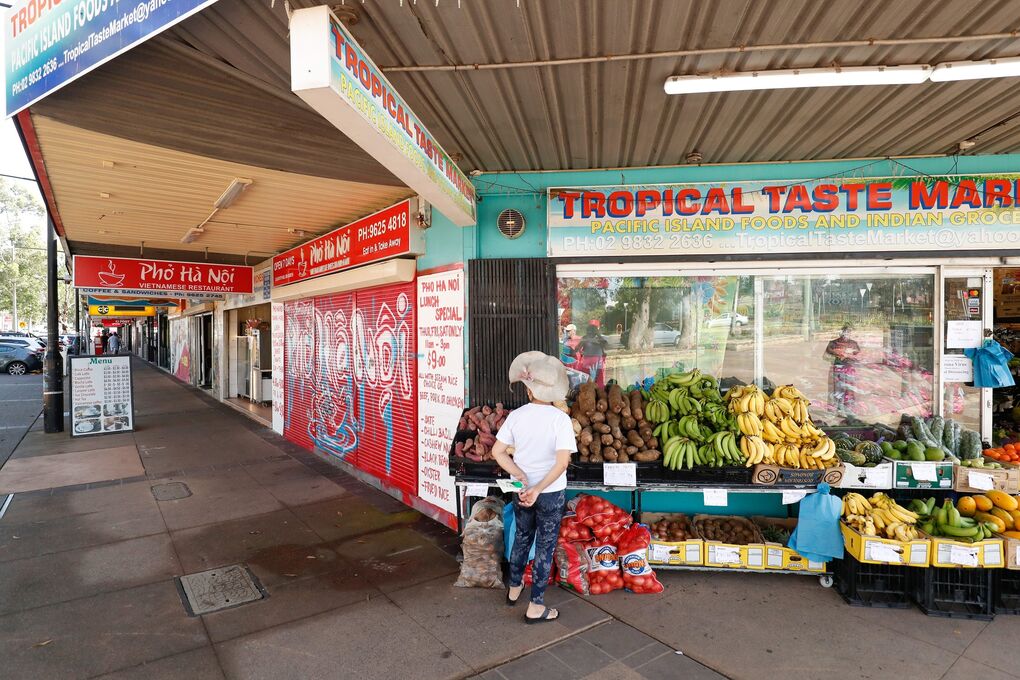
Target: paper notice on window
(924,472)
(882,552)
(980,480)
(726,555)
(619,474)
(957,368)
(716,497)
(964,556)
(793,496)
(477,490)
(963,334)
(660,553)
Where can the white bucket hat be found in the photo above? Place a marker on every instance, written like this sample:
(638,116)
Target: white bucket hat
(544,375)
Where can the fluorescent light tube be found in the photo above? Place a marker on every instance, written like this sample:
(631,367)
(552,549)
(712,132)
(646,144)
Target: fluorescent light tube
(791,78)
(231,193)
(974,70)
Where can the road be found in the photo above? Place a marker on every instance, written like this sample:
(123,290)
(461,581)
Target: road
(20,404)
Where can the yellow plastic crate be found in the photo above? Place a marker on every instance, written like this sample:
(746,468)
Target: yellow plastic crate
(781,557)
(877,550)
(683,553)
(987,554)
(732,555)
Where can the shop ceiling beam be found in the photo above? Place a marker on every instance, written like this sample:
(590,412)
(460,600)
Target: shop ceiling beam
(735,49)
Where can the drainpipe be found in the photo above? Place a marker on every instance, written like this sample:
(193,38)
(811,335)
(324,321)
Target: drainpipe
(53,365)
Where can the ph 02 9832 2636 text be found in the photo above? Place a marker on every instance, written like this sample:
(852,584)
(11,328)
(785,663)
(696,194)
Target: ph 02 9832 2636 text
(816,216)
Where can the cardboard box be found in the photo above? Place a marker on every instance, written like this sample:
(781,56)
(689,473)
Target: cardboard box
(778,556)
(773,475)
(732,555)
(878,550)
(986,554)
(1011,546)
(687,553)
(878,477)
(904,474)
(1007,479)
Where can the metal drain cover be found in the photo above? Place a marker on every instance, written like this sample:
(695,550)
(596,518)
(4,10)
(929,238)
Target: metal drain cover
(171,491)
(222,588)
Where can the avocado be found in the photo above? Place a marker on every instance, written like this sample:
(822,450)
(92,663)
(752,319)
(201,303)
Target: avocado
(887,448)
(895,455)
(915,452)
(931,453)
(900,444)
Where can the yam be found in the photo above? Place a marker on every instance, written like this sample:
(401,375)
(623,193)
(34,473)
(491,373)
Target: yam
(596,446)
(646,456)
(631,450)
(561,405)
(615,398)
(596,458)
(600,392)
(602,405)
(652,443)
(602,428)
(610,454)
(576,426)
(613,419)
(637,405)
(586,398)
(607,440)
(583,419)
(628,423)
(598,417)
(623,457)
(585,437)
(626,412)
(635,439)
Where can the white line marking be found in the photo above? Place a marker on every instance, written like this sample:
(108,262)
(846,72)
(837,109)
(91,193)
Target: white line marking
(7,504)
(14,427)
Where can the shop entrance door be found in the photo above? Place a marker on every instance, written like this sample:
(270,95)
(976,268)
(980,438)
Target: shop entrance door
(206,349)
(967,313)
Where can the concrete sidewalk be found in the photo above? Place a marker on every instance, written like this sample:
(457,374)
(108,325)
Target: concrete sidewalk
(360,586)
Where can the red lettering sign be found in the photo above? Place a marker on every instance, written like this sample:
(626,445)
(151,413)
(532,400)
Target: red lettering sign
(380,236)
(129,274)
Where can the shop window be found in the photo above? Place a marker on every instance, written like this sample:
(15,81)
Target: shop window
(628,328)
(860,346)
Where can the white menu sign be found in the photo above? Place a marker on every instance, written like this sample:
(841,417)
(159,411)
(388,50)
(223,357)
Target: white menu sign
(101,395)
(279,349)
(441,313)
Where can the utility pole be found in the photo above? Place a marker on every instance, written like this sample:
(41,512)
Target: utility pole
(53,368)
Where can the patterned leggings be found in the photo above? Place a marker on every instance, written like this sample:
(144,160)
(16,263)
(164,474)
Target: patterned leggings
(542,518)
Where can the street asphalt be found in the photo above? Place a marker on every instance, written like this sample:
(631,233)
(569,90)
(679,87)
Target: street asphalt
(20,404)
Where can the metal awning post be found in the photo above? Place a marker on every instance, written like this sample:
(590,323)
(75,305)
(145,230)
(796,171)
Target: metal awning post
(53,365)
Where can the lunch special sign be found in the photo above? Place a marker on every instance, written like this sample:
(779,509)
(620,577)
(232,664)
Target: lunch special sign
(391,232)
(816,216)
(139,276)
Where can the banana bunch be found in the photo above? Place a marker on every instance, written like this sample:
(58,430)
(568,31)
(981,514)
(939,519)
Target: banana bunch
(657,411)
(705,388)
(719,449)
(756,450)
(685,379)
(682,403)
(787,392)
(948,522)
(857,514)
(749,424)
(893,519)
(746,399)
(716,415)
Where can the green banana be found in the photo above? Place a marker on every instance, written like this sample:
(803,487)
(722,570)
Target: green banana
(949,530)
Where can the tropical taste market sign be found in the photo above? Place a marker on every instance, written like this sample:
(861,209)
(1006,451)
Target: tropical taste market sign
(386,234)
(49,43)
(331,72)
(130,276)
(776,217)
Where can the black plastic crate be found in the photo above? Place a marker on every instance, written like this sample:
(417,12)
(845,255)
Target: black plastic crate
(650,472)
(872,585)
(465,467)
(1007,592)
(954,593)
(737,475)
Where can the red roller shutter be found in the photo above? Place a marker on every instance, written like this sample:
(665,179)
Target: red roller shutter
(383,349)
(298,370)
(334,417)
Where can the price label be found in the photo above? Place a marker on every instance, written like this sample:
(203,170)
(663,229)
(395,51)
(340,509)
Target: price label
(660,553)
(883,552)
(924,472)
(619,474)
(793,496)
(877,478)
(477,490)
(981,480)
(716,497)
(727,555)
(1017,555)
(964,556)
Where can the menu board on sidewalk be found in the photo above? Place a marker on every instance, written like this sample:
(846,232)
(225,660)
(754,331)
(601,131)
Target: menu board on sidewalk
(440,382)
(101,395)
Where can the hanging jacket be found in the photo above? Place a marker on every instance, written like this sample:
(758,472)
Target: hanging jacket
(991,364)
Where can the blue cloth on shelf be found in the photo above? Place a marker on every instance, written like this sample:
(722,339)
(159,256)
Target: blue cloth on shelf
(991,364)
(817,536)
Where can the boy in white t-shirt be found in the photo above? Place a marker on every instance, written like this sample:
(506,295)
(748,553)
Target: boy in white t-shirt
(543,440)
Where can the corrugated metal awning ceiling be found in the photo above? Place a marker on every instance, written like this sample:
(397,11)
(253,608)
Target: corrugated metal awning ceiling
(616,114)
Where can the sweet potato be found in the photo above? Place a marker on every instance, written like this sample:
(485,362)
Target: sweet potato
(458,449)
(486,410)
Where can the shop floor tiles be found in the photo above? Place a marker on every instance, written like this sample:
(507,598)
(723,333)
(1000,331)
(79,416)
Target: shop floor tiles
(69,469)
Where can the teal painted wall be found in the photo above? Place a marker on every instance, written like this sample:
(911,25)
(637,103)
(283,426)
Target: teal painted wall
(526,191)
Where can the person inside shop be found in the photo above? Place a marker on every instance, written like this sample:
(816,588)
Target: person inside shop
(104,338)
(843,352)
(543,440)
(114,343)
(592,352)
(569,343)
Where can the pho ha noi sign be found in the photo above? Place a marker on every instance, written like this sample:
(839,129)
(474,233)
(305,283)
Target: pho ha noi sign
(955,213)
(130,276)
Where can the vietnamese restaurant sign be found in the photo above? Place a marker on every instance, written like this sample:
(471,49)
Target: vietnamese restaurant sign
(49,43)
(389,233)
(131,276)
(781,217)
(334,76)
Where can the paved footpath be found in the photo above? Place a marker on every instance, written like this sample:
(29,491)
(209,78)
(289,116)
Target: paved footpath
(359,586)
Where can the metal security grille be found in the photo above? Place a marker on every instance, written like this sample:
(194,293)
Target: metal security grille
(511,309)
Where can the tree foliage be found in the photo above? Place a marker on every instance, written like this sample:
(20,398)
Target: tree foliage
(22,253)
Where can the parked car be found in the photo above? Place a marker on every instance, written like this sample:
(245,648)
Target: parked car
(662,334)
(727,319)
(33,343)
(18,359)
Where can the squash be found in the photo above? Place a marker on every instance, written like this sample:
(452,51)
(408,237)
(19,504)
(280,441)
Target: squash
(871,451)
